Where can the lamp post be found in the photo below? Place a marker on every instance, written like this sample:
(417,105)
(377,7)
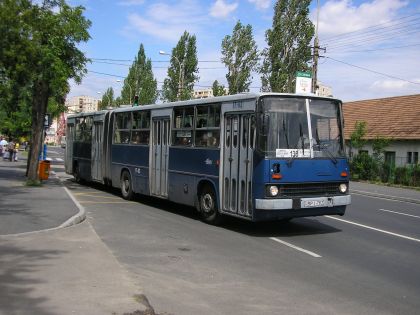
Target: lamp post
(107,96)
(181,73)
(131,90)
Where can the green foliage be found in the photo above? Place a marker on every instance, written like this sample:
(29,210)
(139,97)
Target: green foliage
(182,73)
(356,138)
(218,90)
(379,145)
(403,176)
(240,56)
(289,45)
(363,166)
(38,54)
(107,99)
(140,81)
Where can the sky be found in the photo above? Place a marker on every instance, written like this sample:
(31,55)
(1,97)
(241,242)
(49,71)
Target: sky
(372,47)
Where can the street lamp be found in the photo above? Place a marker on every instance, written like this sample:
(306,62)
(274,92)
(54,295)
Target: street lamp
(181,72)
(129,87)
(107,96)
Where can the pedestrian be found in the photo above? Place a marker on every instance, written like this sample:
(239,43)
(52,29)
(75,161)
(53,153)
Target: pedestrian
(3,146)
(11,149)
(16,151)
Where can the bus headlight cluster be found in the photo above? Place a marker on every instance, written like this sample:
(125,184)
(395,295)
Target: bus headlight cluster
(342,188)
(273,191)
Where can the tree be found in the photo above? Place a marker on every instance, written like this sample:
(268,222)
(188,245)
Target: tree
(182,72)
(288,48)
(218,90)
(107,99)
(140,81)
(38,51)
(356,138)
(240,56)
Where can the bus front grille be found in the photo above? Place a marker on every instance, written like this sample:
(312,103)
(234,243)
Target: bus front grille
(308,190)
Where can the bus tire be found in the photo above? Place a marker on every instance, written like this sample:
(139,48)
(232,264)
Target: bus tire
(208,206)
(126,186)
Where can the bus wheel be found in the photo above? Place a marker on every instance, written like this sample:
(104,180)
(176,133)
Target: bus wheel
(208,206)
(126,187)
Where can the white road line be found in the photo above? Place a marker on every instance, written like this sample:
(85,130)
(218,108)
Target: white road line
(408,215)
(375,229)
(295,247)
(59,159)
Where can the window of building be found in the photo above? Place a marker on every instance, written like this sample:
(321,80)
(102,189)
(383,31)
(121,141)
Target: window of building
(409,157)
(416,157)
(390,157)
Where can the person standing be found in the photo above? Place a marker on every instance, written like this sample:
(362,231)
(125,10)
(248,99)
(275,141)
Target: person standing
(11,149)
(16,151)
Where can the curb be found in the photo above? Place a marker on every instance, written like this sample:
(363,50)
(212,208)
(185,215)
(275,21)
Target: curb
(75,219)
(389,197)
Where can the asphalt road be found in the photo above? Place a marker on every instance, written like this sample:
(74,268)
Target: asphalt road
(363,263)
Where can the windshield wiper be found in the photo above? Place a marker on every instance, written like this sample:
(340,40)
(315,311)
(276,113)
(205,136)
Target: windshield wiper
(324,148)
(285,134)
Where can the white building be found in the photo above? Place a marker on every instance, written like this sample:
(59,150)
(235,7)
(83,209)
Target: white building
(205,93)
(82,104)
(395,118)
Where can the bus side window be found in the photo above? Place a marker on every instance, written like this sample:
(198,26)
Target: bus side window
(183,122)
(207,133)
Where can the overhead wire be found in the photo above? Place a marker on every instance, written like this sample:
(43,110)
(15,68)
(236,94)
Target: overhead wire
(373,71)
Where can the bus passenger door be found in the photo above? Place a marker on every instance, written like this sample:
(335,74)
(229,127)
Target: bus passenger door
(160,157)
(97,141)
(68,160)
(238,149)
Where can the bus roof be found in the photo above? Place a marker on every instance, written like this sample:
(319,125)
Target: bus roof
(203,101)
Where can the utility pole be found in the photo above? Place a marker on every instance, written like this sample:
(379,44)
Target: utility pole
(316,52)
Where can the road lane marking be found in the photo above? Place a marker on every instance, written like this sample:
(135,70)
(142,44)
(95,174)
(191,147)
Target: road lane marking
(375,229)
(295,247)
(99,196)
(105,202)
(382,196)
(408,215)
(85,193)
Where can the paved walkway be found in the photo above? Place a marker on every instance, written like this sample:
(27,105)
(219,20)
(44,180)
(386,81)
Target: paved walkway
(58,270)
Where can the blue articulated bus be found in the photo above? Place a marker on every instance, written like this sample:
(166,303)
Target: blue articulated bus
(264,156)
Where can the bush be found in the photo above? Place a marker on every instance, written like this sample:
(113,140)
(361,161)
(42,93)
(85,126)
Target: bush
(403,176)
(416,175)
(387,173)
(363,166)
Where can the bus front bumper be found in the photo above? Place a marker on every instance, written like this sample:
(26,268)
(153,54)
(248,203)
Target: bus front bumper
(302,203)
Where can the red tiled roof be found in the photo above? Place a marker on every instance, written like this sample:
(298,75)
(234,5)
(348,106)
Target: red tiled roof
(392,117)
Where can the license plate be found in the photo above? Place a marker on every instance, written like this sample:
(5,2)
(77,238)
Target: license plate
(314,203)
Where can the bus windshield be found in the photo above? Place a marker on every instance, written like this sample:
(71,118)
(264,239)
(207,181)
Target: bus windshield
(300,128)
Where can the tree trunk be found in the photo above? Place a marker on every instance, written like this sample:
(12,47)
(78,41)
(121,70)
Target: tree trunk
(39,108)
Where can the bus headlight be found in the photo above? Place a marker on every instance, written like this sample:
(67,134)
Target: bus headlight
(342,188)
(273,191)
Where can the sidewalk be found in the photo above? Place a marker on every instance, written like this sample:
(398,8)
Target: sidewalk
(392,193)
(58,270)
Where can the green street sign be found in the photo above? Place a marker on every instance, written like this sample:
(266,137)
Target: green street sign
(303,74)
